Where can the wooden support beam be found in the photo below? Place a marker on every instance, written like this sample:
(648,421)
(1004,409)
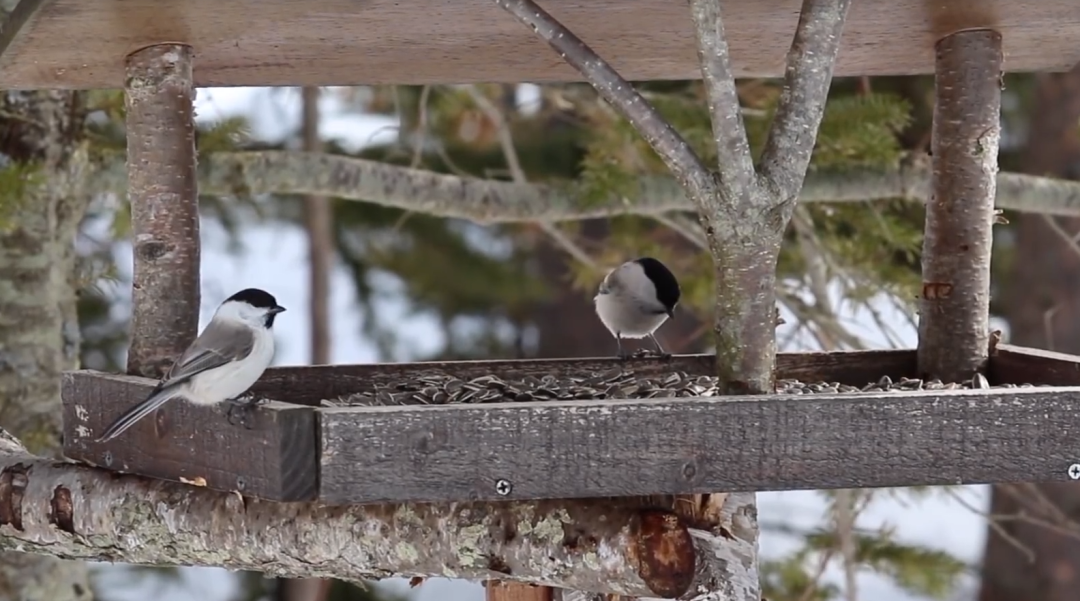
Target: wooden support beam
(1021,365)
(582,448)
(162,188)
(954,307)
(80,43)
(278,458)
(275,457)
(617,448)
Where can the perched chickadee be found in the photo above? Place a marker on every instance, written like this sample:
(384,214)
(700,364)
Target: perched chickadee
(221,364)
(636,298)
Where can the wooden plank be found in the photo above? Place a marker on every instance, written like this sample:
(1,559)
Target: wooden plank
(20,19)
(310,384)
(1021,365)
(574,449)
(273,458)
(345,42)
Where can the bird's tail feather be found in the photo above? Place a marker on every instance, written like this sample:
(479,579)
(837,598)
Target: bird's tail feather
(128,419)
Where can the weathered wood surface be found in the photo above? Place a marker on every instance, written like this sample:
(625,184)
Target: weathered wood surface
(82,43)
(274,458)
(309,385)
(22,17)
(1021,365)
(569,449)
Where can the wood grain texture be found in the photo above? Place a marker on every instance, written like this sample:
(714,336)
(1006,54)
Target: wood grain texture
(274,459)
(15,22)
(308,385)
(1022,365)
(571,449)
(82,43)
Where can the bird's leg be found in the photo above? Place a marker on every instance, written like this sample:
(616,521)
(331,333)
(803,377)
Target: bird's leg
(242,405)
(659,349)
(618,344)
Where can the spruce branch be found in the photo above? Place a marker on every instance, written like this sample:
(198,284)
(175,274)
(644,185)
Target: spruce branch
(810,62)
(672,148)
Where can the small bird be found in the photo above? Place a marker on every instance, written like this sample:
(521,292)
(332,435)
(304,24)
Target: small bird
(221,364)
(635,299)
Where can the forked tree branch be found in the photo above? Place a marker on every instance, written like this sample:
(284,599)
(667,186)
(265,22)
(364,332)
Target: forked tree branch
(672,148)
(807,78)
(736,165)
(486,201)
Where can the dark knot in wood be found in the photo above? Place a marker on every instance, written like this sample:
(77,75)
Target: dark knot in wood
(62,510)
(663,552)
(13,482)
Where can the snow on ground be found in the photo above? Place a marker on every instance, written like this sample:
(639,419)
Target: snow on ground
(274,258)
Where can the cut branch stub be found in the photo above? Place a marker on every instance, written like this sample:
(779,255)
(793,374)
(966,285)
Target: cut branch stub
(954,307)
(162,188)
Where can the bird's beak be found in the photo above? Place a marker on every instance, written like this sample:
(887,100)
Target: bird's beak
(277,310)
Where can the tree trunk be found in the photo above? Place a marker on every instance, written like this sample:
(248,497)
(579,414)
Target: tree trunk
(1043,309)
(42,201)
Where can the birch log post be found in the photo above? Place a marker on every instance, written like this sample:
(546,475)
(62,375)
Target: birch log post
(79,512)
(163,191)
(954,307)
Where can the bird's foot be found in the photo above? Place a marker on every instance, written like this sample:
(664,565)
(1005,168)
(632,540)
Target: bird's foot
(241,408)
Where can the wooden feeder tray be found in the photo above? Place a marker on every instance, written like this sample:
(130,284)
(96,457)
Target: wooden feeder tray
(353,42)
(295,450)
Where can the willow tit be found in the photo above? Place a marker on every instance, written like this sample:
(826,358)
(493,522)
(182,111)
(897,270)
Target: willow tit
(221,364)
(635,298)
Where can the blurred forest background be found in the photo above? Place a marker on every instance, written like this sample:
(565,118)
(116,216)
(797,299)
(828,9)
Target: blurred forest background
(524,289)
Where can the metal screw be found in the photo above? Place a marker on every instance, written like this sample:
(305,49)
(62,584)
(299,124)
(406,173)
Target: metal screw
(1074,471)
(240,483)
(503,487)
(108,458)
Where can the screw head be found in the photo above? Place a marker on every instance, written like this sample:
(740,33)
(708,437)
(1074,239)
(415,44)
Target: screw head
(1074,471)
(241,483)
(108,458)
(503,487)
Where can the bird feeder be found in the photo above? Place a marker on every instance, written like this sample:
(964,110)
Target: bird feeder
(518,430)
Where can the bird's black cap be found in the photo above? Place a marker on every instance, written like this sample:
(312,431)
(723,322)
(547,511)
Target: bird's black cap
(667,287)
(256,298)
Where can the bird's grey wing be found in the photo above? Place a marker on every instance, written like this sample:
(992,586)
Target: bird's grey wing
(220,343)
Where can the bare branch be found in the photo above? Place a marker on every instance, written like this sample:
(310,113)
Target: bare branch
(489,201)
(736,166)
(517,173)
(79,512)
(676,153)
(807,79)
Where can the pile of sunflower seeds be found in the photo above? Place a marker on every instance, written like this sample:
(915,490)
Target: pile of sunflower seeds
(617,383)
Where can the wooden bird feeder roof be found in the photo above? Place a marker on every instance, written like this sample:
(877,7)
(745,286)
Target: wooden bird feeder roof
(81,44)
